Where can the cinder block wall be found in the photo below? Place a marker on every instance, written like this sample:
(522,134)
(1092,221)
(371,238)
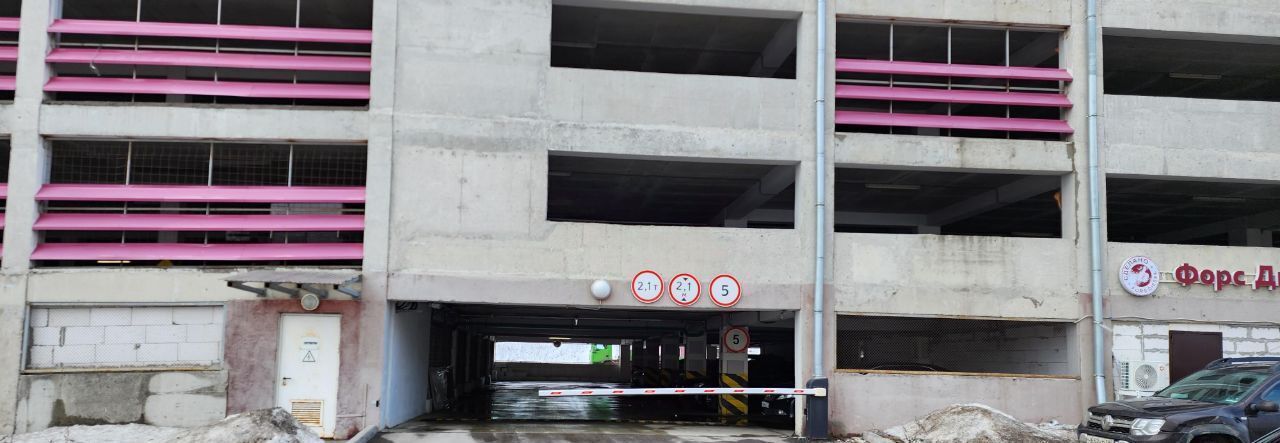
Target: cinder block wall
(107,337)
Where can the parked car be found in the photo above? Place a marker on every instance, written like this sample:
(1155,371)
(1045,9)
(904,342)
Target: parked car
(1232,400)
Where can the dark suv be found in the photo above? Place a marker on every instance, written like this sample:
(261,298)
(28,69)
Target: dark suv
(1232,400)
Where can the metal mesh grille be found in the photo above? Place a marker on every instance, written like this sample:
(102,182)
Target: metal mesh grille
(169,164)
(250,165)
(329,165)
(953,345)
(89,161)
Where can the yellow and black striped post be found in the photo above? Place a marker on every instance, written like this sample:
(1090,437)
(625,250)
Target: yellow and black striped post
(733,408)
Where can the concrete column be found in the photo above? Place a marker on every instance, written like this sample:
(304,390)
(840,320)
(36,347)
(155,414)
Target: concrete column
(454,378)
(377,208)
(27,172)
(650,363)
(624,361)
(695,357)
(670,361)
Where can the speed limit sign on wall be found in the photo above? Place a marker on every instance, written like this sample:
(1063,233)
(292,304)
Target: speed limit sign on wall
(725,291)
(685,289)
(736,340)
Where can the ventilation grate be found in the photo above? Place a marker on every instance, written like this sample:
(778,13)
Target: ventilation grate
(307,411)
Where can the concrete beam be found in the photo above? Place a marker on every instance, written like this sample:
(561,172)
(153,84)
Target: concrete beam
(995,198)
(844,217)
(768,187)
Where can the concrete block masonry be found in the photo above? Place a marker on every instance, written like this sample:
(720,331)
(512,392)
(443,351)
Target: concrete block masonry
(101,337)
(1150,341)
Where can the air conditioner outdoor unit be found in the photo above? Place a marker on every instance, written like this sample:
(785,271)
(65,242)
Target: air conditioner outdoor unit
(1143,376)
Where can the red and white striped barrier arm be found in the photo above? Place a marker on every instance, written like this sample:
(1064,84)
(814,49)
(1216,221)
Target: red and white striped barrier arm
(818,392)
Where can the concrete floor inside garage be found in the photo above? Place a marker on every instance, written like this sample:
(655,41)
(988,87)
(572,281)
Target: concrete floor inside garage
(481,399)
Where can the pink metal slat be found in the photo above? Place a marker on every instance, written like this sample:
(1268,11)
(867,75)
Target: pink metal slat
(10,24)
(4,190)
(952,122)
(953,96)
(201,194)
(196,251)
(948,70)
(8,53)
(7,82)
(195,222)
(206,59)
(203,87)
(196,30)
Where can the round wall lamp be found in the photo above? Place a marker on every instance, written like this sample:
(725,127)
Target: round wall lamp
(600,289)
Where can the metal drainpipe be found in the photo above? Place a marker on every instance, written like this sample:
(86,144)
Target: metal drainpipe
(817,428)
(1095,206)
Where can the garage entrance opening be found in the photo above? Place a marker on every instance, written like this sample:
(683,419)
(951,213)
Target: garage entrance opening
(477,362)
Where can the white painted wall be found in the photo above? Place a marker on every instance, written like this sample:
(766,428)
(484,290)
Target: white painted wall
(408,372)
(567,353)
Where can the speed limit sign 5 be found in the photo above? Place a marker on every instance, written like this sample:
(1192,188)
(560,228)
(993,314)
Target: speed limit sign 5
(736,340)
(725,291)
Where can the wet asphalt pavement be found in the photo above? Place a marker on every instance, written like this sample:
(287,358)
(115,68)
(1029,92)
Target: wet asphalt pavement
(513,412)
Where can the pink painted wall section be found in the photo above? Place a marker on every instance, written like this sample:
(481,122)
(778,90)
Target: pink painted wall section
(252,340)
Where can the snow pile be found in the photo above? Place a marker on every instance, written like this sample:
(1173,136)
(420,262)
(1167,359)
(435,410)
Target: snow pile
(261,426)
(971,423)
(97,434)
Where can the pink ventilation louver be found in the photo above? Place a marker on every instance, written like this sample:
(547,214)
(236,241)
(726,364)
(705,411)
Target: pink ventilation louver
(152,222)
(199,252)
(952,95)
(8,53)
(211,59)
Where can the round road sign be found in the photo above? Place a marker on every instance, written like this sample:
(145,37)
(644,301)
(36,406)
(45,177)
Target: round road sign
(736,340)
(647,286)
(685,289)
(725,291)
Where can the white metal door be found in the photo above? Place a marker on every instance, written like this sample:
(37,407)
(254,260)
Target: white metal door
(307,386)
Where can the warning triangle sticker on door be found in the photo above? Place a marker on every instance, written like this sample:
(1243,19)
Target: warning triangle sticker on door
(309,358)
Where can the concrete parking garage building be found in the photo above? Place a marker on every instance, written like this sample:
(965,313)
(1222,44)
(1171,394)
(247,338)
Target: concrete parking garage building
(339,207)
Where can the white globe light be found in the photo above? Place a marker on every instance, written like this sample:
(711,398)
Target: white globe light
(600,289)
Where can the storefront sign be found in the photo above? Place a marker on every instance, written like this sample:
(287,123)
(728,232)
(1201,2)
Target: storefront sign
(1189,275)
(1139,276)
